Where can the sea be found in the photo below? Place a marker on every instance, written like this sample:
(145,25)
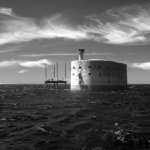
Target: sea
(33,117)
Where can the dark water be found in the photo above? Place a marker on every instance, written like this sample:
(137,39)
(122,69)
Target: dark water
(34,118)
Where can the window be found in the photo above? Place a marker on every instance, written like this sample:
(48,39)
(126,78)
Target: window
(108,67)
(89,73)
(100,74)
(108,81)
(73,74)
(73,67)
(80,67)
(89,66)
(100,67)
(108,74)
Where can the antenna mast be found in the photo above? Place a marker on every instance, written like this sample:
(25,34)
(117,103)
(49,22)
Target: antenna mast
(45,71)
(57,70)
(65,71)
(54,71)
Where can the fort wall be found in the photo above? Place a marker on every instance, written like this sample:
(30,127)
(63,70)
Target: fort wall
(98,75)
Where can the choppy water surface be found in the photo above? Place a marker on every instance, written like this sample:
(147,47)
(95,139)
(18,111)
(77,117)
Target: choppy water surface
(34,118)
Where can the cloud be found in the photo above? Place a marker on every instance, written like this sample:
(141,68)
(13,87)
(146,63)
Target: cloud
(10,49)
(38,63)
(8,63)
(62,54)
(145,65)
(17,29)
(125,25)
(22,71)
(6,11)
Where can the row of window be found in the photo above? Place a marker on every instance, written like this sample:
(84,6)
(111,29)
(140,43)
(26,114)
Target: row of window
(112,74)
(115,68)
(114,82)
(100,74)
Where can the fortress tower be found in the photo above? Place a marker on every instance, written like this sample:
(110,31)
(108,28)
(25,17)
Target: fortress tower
(97,74)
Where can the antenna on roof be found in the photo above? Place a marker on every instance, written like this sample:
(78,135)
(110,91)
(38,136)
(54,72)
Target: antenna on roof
(65,71)
(45,71)
(57,70)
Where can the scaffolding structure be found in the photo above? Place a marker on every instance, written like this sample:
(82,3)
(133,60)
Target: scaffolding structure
(55,80)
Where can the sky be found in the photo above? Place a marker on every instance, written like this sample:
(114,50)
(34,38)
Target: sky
(38,32)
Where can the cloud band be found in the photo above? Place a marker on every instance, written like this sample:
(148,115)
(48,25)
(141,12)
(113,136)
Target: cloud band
(38,63)
(125,25)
